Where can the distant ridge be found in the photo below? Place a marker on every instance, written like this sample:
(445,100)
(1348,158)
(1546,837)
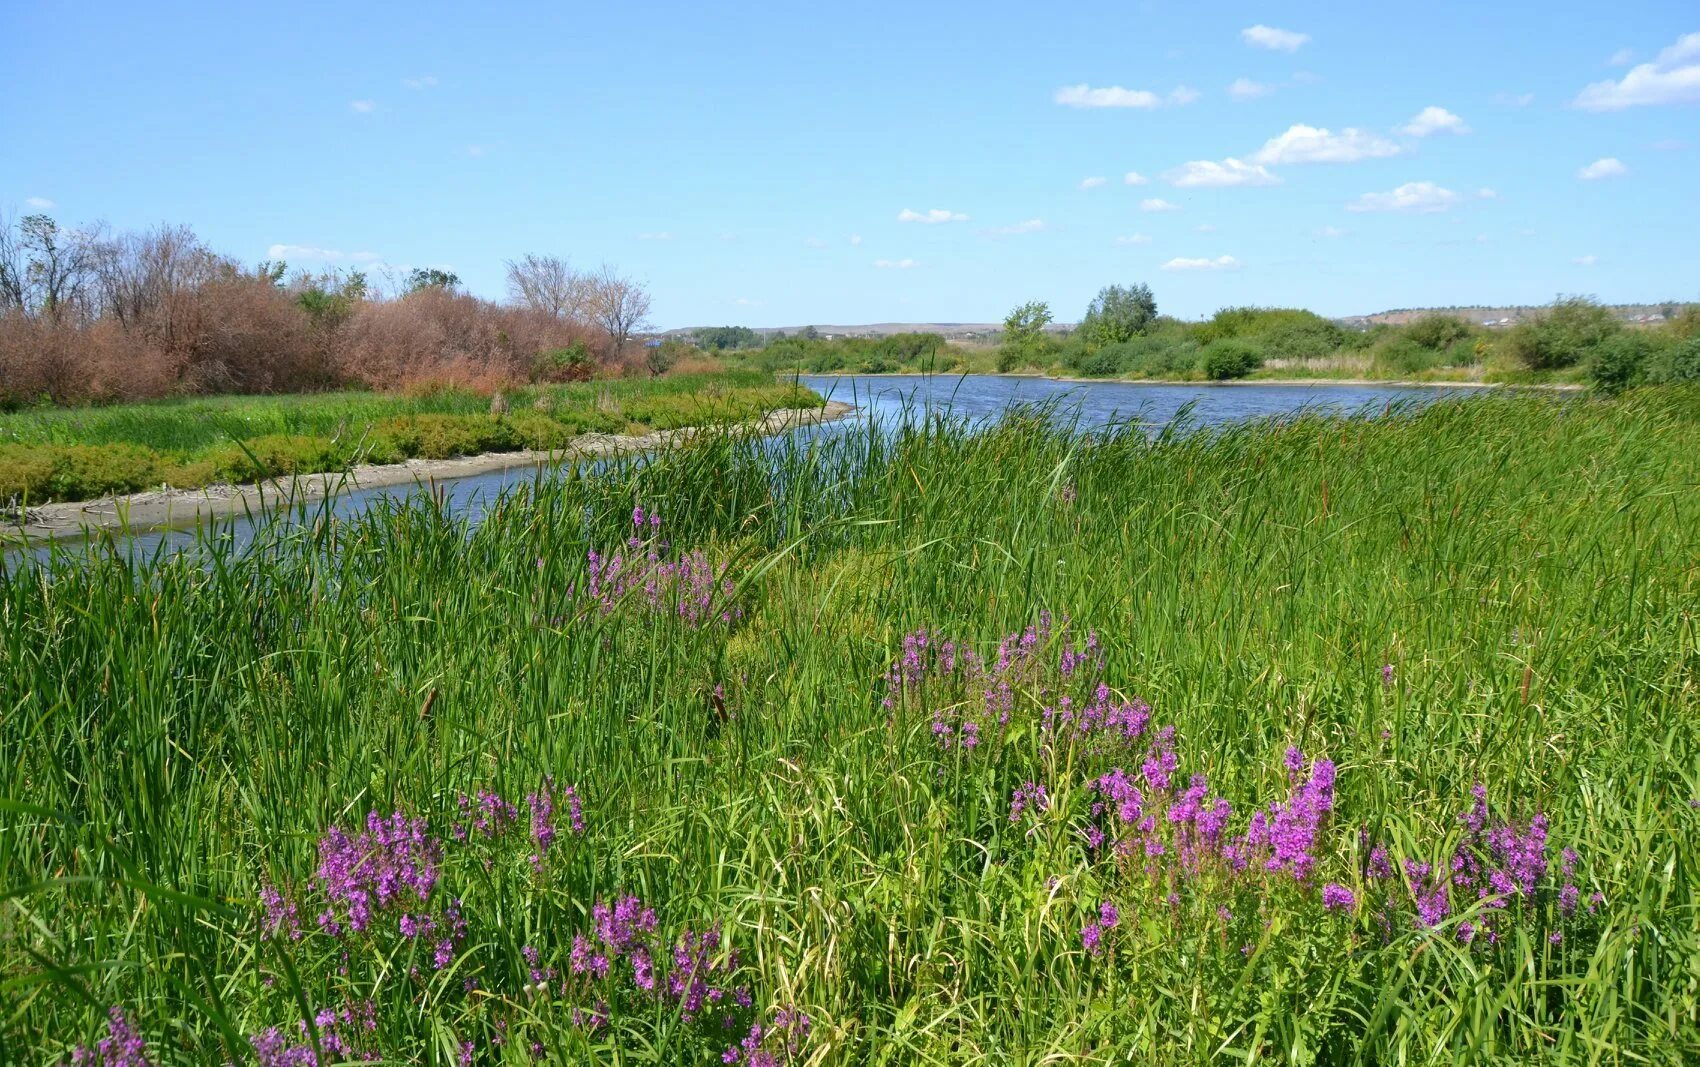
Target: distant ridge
(1479,314)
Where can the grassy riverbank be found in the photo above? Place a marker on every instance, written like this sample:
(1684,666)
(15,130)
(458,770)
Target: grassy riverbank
(81,453)
(819,746)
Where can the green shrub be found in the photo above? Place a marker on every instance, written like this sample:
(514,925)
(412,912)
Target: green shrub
(1281,333)
(26,471)
(1620,363)
(1675,364)
(447,436)
(573,363)
(1229,358)
(1565,336)
(539,431)
(86,471)
(1437,332)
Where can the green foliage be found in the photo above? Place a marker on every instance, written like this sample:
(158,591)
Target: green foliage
(1437,332)
(1281,333)
(1621,362)
(420,278)
(727,338)
(574,363)
(1676,364)
(660,358)
(1117,314)
(1025,342)
(1229,357)
(925,353)
(1565,336)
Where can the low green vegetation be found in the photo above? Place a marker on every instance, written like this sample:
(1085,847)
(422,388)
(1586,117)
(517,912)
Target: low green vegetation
(81,453)
(1321,740)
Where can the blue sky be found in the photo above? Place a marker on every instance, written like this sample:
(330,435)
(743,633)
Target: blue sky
(764,165)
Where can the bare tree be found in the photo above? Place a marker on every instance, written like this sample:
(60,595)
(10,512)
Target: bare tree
(147,281)
(14,267)
(61,265)
(549,285)
(620,306)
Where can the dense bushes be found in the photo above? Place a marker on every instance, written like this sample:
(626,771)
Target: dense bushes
(87,317)
(1228,358)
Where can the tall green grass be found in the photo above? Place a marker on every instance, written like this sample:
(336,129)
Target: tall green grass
(177,732)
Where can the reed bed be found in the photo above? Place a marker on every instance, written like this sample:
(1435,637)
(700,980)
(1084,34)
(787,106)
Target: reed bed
(1317,740)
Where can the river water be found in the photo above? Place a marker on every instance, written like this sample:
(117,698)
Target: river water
(889,399)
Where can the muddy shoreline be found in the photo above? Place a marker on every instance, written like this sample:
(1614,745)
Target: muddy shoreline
(162,509)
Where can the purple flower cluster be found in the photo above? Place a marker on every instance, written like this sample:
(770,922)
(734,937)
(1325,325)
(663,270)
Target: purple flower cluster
(622,931)
(1092,934)
(640,574)
(772,1045)
(338,1031)
(1029,796)
(392,864)
(692,982)
(971,698)
(488,815)
(1284,837)
(121,1047)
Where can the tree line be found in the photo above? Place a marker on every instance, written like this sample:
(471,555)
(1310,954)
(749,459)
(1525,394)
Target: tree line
(92,315)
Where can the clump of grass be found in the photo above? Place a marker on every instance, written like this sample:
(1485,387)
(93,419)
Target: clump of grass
(1493,592)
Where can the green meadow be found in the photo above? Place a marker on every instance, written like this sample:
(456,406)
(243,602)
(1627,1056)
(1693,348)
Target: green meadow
(1315,740)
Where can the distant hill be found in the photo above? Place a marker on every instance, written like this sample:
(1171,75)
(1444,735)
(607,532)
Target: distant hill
(1506,315)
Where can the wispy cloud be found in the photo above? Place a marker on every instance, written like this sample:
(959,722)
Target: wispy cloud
(855,240)
(1027,226)
(744,301)
(1484,193)
(1432,120)
(1603,168)
(1133,177)
(1158,204)
(895,264)
(362,107)
(1093,182)
(1312,144)
(1208,174)
(1586,261)
(1245,89)
(427,81)
(936,215)
(1201,263)
(656,235)
(1134,239)
(1275,40)
(1330,232)
(1084,95)
(309,254)
(40,203)
(1672,78)
(1412,197)
(1622,57)
(1515,99)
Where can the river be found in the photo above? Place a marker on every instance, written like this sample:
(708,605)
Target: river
(888,399)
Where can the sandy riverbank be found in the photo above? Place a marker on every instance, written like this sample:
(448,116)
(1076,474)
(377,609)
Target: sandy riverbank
(178,508)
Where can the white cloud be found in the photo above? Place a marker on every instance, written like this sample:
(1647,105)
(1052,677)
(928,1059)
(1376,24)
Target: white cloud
(1158,204)
(936,215)
(1084,95)
(1275,40)
(656,235)
(1484,193)
(1029,226)
(1246,89)
(1672,78)
(428,81)
(1310,144)
(1586,261)
(40,203)
(362,107)
(1603,168)
(1433,120)
(1133,177)
(1622,57)
(1208,174)
(1219,263)
(1418,197)
(1515,99)
(895,264)
(1092,183)
(1331,232)
(855,239)
(300,253)
(1205,227)
(1134,239)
